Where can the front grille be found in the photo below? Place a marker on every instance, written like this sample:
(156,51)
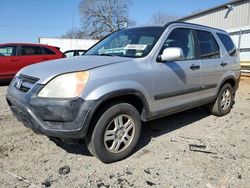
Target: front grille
(24,83)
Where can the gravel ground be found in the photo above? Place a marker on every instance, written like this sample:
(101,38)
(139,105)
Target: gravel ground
(163,158)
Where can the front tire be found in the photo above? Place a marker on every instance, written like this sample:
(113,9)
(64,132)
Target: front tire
(116,133)
(224,101)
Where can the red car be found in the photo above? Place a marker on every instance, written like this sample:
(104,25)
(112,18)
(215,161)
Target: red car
(14,56)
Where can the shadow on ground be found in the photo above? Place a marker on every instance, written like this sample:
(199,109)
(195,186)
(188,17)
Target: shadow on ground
(150,129)
(74,148)
(4,83)
(156,128)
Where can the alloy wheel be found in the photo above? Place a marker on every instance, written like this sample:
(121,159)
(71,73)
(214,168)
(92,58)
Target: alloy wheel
(119,133)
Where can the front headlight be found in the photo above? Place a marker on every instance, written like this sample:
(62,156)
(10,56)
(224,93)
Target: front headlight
(68,85)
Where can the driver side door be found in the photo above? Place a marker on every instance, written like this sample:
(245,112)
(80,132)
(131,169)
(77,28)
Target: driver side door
(176,84)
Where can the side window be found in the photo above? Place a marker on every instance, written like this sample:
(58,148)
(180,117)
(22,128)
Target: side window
(69,54)
(208,46)
(47,51)
(181,38)
(8,51)
(31,50)
(228,43)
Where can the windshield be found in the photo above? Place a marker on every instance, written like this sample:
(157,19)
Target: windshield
(135,43)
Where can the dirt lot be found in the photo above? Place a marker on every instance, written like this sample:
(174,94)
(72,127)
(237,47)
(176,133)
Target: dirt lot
(162,159)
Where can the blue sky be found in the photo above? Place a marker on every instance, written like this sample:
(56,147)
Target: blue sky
(27,20)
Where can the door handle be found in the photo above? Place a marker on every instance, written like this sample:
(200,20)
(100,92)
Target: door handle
(14,60)
(194,67)
(223,64)
(45,58)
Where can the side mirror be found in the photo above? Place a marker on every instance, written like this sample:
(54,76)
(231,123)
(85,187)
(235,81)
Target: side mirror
(171,54)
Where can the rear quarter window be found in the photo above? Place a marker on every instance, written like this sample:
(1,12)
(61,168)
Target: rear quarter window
(47,51)
(227,43)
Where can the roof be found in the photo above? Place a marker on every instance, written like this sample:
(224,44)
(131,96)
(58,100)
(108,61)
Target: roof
(164,26)
(192,24)
(223,6)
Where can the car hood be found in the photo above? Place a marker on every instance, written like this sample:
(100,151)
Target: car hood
(45,71)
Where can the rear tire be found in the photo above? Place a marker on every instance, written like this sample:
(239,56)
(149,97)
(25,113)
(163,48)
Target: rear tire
(115,134)
(224,101)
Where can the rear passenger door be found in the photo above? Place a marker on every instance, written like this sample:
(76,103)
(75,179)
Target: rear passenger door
(210,59)
(30,54)
(230,58)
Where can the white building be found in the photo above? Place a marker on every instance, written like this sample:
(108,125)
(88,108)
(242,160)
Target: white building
(68,44)
(234,17)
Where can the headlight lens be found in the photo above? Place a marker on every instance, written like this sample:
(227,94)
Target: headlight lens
(68,85)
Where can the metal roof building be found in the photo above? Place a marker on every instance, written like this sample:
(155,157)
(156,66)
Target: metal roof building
(234,17)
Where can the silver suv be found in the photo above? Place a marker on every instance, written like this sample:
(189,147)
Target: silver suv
(132,75)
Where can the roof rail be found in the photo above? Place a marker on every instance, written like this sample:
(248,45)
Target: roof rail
(187,23)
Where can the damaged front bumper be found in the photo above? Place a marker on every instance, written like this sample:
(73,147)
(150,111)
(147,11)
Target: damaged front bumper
(60,118)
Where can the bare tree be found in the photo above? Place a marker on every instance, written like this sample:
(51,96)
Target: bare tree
(163,18)
(75,34)
(101,17)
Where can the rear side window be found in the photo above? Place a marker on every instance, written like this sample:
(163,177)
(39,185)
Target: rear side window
(31,50)
(47,51)
(228,43)
(208,46)
(8,51)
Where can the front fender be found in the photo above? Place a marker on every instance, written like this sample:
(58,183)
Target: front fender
(114,87)
(121,88)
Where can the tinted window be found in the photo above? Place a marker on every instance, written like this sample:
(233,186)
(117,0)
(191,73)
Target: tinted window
(181,38)
(8,51)
(48,51)
(31,50)
(209,48)
(228,43)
